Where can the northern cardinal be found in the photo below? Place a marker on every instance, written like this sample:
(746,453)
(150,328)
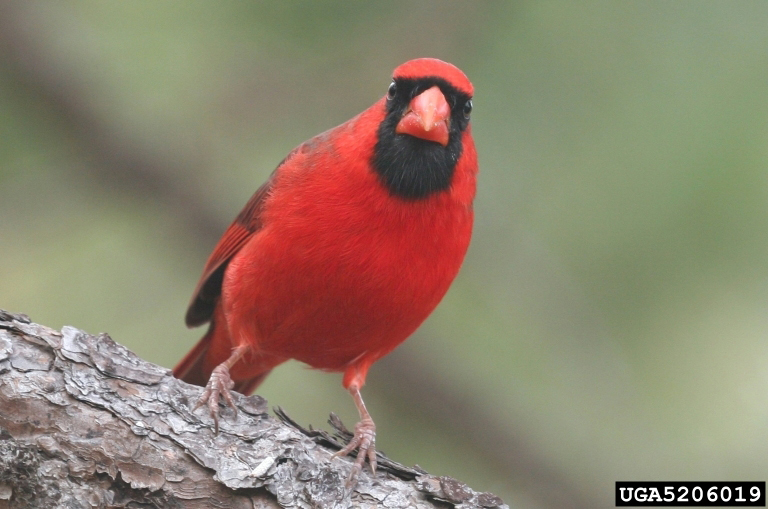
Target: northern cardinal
(346,249)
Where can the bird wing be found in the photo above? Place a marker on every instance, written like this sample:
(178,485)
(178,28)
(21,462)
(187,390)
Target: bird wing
(208,289)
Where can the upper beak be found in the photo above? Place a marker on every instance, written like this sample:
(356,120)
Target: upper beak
(428,117)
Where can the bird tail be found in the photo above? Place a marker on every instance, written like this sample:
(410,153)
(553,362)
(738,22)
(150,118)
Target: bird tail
(213,348)
(191,368)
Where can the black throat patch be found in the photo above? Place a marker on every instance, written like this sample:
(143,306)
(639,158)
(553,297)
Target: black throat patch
(410,167)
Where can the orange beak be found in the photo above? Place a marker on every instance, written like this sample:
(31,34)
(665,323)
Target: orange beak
(428,117)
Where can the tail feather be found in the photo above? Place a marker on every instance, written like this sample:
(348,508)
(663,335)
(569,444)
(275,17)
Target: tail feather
(213,349)
(191,368)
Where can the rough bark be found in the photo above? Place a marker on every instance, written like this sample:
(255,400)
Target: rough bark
(86,423)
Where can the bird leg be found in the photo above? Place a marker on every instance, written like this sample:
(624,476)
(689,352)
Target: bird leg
(220,385)
(364,439)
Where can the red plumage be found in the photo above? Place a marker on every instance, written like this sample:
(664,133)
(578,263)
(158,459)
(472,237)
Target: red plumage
(328,263)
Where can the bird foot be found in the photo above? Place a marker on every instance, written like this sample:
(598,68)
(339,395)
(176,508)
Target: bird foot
(219,386)
(364,440)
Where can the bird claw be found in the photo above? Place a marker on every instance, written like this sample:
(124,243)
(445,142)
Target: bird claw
(364,440)
(219,385)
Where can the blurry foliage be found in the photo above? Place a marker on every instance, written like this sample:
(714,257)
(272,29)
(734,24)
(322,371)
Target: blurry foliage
(611,314)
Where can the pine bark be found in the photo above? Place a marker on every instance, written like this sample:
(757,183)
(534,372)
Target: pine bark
(86,423)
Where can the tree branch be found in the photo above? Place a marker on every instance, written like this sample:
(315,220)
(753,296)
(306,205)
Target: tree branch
(86,423)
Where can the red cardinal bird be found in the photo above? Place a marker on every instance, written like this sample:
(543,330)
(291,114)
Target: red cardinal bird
(346,249)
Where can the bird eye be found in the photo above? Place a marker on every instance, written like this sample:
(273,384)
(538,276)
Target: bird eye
(467,109)
(391,91)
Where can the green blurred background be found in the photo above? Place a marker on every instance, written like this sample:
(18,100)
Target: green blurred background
(610,322)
